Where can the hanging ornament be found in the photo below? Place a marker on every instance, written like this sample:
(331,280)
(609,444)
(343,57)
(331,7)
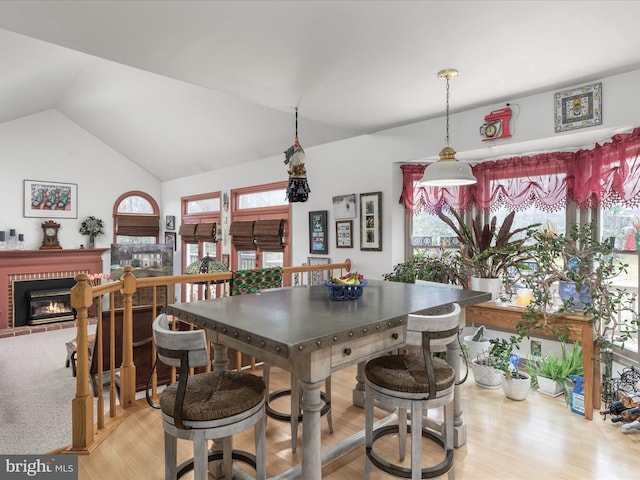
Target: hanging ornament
(298,188)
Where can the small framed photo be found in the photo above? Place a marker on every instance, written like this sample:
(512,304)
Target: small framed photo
(344,238)
(318,235)
(344,206)
(170,239)
(317,277)
(371,221)
(170,222)
(225,259)
(47,199)
(578,107)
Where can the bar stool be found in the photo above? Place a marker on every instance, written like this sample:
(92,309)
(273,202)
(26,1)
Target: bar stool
(415,383)
(206,406)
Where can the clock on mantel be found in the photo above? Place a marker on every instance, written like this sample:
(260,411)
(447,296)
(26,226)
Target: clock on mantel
(50,238)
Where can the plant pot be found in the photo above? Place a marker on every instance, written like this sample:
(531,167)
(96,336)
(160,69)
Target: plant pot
(516,388)
(491,285)
(485,376)
(567,290)
(550,387)
(476,348)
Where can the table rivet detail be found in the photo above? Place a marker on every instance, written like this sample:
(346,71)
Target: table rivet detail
(364,330)
(377,327)
(235,334)
(248,338)
(300,347)
(335,339)
(262,344)
(318,343)
(277,349)
(224,330)
(351,334)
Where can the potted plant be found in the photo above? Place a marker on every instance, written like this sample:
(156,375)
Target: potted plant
(515,384)
(477,343)
(489,251)
(552,373)
(590,267)
(92,227)
(443,268)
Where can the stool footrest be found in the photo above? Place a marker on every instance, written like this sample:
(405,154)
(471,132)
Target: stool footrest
(403,472)
(285,417)
(239,455)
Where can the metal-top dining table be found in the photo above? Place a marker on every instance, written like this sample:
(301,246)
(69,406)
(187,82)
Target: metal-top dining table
(304,331)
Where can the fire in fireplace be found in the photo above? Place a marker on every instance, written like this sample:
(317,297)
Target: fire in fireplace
(46,306)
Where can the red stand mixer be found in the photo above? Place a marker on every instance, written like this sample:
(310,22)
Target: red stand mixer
(496,124)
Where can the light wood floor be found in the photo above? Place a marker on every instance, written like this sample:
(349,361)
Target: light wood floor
(539,438)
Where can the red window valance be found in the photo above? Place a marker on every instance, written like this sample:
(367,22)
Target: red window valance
(604,175)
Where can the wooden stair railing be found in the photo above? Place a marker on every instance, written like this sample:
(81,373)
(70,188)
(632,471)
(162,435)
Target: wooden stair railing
(85,435)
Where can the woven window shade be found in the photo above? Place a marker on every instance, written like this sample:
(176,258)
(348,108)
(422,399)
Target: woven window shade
(242,235)
(187,232)
(268,234)
(206,232)
(138,225)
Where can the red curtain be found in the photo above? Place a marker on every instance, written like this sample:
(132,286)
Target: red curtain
(604,175)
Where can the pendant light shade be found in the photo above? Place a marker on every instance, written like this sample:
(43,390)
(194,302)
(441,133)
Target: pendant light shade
(448,171)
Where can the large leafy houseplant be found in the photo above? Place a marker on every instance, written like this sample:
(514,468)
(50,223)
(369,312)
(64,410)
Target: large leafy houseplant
(580,259)
(443,267)
(488,250)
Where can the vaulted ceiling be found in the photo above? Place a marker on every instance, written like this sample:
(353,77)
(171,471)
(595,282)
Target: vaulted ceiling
(184,87)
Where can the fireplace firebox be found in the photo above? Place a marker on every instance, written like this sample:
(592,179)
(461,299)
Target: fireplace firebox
(47,306)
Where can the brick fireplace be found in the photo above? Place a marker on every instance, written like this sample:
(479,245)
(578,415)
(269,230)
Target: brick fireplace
(28,265)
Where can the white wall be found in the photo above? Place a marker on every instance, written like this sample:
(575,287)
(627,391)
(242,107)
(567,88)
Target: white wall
(47,146)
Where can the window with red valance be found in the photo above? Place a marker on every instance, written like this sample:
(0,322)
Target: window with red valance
(602,176)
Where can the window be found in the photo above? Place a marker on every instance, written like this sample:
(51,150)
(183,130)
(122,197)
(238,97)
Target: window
(136,219)
(258,206)
(198,234)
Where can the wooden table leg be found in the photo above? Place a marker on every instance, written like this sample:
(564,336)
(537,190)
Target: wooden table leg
(590,383)
(311,441)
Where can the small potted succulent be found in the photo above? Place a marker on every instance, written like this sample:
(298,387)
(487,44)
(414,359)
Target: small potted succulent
(515,384)
(92,227)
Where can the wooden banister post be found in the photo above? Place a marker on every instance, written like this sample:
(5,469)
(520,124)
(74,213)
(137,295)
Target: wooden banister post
(82,403)
(128,368)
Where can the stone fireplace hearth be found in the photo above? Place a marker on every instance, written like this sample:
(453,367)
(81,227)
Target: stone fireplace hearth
(22,265)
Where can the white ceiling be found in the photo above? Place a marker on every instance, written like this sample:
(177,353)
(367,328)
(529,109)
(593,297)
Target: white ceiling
(216,83)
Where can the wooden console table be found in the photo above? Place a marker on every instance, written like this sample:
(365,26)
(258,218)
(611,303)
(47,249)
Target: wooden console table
(580,329)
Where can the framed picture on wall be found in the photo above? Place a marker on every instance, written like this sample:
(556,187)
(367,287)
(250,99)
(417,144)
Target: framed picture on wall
(578,107)
(344,206)
(371,221)
(170,239)
(170,222)
(344,238)
(47,199)
(318,235)
(318,277)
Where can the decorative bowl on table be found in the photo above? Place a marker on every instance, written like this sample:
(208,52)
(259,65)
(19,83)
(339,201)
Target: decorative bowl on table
(345,291)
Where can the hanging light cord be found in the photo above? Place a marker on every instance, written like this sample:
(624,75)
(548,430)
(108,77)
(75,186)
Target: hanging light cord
(447,114)
(297,143)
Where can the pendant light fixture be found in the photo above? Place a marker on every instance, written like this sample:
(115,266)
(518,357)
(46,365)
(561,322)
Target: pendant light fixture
(298,188)
(448,171)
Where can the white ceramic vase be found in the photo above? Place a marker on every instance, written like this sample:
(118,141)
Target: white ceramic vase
(516,388)
(553,388)
(485,376)
(491,285)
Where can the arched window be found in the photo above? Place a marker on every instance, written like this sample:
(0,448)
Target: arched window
(136,219)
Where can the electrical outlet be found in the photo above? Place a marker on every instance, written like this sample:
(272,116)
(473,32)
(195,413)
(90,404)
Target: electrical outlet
(536,348)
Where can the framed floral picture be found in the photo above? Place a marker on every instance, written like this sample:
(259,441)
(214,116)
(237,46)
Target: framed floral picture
(371,221)
(170,239)
(47,199)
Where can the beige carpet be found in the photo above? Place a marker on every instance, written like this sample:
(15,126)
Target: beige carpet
(35,393)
